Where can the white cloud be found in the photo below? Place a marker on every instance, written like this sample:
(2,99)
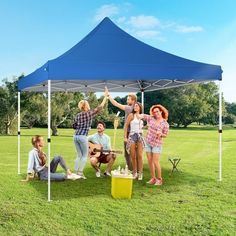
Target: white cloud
(143,21)
(121,20)
(106,11)
(188,29)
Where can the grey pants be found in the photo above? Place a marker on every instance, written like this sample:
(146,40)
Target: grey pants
(127,158)
(43,174)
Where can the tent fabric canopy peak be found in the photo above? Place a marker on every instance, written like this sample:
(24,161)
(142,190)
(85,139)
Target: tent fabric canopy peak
(111,55)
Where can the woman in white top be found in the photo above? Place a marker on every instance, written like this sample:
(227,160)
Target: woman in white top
(135,141)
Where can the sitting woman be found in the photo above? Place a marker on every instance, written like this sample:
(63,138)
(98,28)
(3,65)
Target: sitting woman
(37,163)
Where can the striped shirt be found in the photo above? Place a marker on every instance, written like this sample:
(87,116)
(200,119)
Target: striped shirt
(83,121)
(153,126)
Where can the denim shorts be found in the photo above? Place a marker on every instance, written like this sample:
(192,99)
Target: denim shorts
(156,149)
(135,138)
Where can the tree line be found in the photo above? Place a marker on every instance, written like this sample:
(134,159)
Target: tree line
(188,104)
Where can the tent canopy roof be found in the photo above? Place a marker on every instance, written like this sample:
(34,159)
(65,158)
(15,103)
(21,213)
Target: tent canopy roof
(110,56)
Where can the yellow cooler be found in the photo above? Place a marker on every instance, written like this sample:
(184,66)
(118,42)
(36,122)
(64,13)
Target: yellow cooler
(121,186)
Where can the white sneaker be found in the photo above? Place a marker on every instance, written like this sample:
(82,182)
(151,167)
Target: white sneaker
(73,176)
(81,174)
(98,174)
(159,182)
(140,176)
(135,175)
(107,173)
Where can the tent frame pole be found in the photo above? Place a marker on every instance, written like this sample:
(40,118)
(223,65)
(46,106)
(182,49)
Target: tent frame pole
(142,98)
(18,134)
(49,139)
(220,131)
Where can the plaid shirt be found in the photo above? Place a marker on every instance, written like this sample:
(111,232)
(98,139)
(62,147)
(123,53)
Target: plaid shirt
(153,126)
(83,121)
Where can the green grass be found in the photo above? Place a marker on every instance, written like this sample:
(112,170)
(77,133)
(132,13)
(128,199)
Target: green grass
(191,202)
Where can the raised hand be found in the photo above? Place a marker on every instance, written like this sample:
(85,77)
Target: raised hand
(106,92)
(105,97)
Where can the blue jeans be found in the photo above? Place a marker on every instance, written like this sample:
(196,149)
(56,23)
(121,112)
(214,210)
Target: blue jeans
(156,149)
(81,144)
(43,174)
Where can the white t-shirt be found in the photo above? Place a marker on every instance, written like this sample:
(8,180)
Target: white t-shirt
(136,125)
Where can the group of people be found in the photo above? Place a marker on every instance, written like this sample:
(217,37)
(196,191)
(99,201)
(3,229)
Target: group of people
(134,142)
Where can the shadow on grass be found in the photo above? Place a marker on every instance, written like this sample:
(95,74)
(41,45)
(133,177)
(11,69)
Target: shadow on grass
(69,189)
(93,187)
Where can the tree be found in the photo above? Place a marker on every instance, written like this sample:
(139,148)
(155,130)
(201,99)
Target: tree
(77,96)
(231,108)
(34,108)
(61,108)
(8,108)
(210,95)
(230,117)
(187,104)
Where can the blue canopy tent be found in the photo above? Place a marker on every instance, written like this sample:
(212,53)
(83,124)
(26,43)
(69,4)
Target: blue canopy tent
(110,56)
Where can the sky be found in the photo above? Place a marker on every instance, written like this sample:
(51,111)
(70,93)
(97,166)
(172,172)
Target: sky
(33,32)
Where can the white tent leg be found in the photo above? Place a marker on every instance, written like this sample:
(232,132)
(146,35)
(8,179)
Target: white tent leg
(220,132)
(49,139)
(18,136)
(142,93)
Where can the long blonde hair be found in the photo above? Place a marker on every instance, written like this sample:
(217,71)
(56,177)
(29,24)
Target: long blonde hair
(83,105)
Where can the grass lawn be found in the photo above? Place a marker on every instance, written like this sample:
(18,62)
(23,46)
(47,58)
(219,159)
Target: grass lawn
(191,202)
